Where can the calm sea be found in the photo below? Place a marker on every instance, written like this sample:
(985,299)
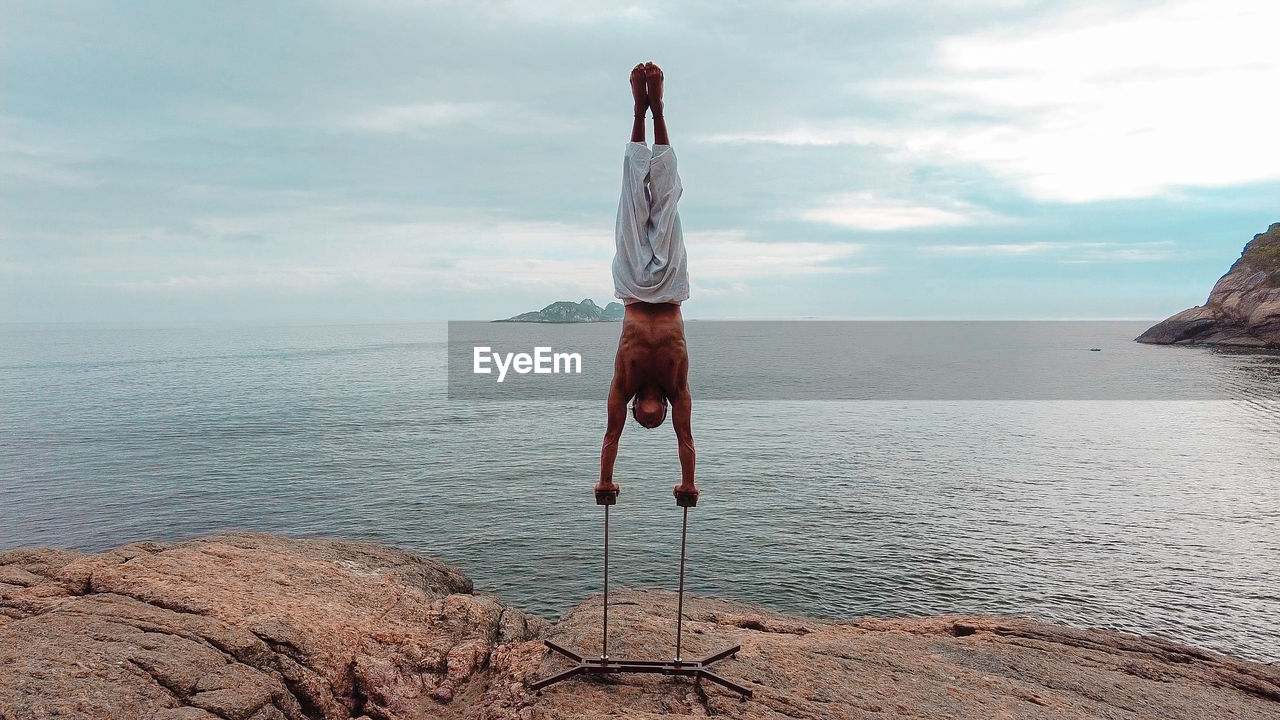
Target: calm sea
(1154,516)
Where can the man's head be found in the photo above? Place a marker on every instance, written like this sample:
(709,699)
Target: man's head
(649,407)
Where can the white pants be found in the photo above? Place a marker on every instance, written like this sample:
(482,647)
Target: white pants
(650,264)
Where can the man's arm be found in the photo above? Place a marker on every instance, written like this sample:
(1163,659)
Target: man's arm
(682,420)
(612,433)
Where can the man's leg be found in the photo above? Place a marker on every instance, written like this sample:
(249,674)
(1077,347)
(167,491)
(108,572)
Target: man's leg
(641,96)
(631,232)
(665,237)
(653,86)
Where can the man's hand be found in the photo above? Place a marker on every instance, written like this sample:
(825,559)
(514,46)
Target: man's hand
(607,494)
(686,496)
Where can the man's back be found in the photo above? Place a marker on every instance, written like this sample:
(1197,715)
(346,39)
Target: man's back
(652,349)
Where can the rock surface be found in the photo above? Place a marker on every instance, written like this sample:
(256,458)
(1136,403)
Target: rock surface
(571,312)
(254,627)
(242,627)
(1242,310)
(942,667)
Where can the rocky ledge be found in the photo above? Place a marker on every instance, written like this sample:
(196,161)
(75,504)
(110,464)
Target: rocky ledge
(255,627)
(1242,310)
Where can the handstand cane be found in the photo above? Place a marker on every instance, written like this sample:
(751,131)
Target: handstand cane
(604,665)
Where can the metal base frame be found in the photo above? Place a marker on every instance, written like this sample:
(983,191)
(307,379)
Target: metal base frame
(605,665)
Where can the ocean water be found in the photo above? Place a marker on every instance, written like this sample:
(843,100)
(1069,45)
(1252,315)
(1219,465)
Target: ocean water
(1156,516)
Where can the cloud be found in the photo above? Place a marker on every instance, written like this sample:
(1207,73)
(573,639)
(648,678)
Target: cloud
(461,147)
(1061,252)
(417,116)
(729,256)
(383,274)
(557,13)
(339,247)
(1095,104)
(990,249)
(1099,107)
(868,211)
(30,157)
(800,135)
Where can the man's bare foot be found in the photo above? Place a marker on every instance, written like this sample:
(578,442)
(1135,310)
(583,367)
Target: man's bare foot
(686,495)
(653,84)
(638,91)
(607,493)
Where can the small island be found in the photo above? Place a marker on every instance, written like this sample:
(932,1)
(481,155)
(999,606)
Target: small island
(566,311)
(1243,310)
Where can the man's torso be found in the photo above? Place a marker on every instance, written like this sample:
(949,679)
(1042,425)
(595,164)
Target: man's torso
(652,348)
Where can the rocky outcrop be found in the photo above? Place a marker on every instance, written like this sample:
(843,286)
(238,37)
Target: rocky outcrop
(252,627)
(571,312)
(242,627)
(1242,310)
(613,311)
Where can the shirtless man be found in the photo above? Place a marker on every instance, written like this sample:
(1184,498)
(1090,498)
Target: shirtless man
(650,276)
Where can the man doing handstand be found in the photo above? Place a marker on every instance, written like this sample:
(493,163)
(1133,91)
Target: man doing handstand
(651,278)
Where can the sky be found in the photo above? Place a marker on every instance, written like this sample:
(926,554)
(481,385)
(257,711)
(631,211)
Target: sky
(392,161)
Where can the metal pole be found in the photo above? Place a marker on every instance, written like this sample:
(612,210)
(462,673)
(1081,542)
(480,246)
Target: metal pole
(604,645)
(684,531)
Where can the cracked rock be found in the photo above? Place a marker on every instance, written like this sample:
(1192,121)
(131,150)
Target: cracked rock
(238,627)
(255,627)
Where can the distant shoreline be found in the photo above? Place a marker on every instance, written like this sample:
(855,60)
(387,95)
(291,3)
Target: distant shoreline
(565,312)
(556,322)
